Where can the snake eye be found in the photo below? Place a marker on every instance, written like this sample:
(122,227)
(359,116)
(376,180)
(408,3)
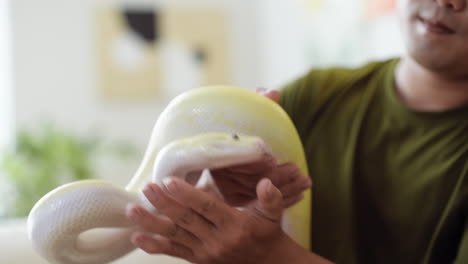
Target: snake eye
(235,136)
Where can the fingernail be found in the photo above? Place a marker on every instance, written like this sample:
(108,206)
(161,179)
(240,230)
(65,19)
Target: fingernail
(130,210)
(137,211)
(269,190)
(135,214)
(171,186)
(150,192)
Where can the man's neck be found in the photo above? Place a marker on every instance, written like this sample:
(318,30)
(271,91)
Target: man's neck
(423,90)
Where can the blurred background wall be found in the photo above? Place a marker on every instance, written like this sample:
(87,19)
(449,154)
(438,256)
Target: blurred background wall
(77,75)
(6,85)
(56,70)
(56,67)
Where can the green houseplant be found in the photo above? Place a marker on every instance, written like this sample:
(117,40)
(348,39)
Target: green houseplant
(44,159)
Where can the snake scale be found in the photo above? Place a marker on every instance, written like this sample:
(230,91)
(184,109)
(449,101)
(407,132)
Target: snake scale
(84,222)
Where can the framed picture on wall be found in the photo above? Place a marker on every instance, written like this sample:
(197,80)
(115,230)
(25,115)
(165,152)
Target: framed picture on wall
(146,53)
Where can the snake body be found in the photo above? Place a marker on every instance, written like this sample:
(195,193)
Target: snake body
(206,128)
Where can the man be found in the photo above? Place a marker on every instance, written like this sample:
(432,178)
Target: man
(387,147)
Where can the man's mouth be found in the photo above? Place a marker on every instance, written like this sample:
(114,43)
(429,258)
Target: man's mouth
(436,26)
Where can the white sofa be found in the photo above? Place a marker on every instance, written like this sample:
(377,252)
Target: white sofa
(15,248)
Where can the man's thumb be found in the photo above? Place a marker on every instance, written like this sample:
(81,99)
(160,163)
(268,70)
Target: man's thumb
(269,202)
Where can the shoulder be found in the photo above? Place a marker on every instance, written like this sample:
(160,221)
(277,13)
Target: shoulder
(320,85)
(336,77)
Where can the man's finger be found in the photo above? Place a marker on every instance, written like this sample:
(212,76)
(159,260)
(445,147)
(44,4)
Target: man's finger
(270,201)
(161,245)
(180,213)
(295,188)
(227,180)
(242,180)
(229,183)
(286,173)
(160,224)
(265,164)
(204,204)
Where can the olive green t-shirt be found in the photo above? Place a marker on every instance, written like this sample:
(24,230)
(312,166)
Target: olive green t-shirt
(390,184)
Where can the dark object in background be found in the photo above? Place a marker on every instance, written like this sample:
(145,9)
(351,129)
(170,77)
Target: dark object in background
(143,22)
(200,55)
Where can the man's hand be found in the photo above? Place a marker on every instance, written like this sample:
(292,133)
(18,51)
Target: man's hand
(238,184)
(200,228)
(272,94)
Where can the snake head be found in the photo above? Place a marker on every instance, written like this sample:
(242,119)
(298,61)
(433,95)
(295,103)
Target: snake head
(226,149)
(207,151)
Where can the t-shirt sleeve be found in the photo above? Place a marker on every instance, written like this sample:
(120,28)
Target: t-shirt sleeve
(298,99)
(304,97)
(294,97)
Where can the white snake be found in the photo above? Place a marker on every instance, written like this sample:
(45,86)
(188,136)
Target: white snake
(205,128)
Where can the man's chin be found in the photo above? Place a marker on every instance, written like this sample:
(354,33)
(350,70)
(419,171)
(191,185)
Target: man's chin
(440,63)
